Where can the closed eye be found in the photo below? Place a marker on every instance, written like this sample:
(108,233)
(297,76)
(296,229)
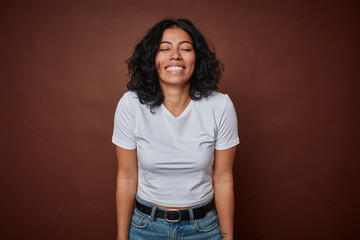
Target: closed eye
(186,49)
(162,50)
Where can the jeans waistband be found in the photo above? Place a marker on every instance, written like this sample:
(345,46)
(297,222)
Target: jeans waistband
(174,215)
(146,203)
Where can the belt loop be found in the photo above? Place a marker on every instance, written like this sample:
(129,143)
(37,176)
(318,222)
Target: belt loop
(153,210)
(191,214)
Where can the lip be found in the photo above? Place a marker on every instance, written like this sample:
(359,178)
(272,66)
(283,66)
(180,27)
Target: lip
(180,70)
(175,65)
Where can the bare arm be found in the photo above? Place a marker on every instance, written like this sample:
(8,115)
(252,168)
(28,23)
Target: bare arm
(224,190)
(125,189)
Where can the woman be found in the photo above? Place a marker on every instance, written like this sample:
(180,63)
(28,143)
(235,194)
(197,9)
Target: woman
(176,139)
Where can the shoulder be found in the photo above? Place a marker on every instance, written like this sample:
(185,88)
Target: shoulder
(130,96)
(216,100)
(126,103)
(215,105)
(128,99)
(218,96)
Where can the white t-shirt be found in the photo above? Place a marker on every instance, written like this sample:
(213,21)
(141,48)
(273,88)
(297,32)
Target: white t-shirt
(176,154)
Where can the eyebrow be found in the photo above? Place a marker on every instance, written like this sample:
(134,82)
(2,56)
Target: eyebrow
(178,43)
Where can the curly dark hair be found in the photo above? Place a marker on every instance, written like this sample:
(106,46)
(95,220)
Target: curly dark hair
(143,71)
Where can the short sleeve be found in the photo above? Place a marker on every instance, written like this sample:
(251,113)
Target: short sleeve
(227,135)
(123,133)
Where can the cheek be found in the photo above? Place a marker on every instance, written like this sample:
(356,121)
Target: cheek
(159,59)
(193,65)
(156,62)
(192,60)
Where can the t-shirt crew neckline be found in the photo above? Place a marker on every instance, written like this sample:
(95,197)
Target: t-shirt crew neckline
(186,110)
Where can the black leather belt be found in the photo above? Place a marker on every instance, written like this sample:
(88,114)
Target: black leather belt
(177,215)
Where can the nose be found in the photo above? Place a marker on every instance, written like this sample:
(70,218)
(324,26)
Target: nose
(175,55)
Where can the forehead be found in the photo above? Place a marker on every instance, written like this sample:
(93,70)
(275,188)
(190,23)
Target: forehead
(175,35)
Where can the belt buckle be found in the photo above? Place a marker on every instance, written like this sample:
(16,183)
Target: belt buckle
(173,210)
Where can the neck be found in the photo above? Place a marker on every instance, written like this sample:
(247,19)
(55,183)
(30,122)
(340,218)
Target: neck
(176,99)
(176,96)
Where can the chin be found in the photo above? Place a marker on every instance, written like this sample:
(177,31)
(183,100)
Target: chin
(175,82)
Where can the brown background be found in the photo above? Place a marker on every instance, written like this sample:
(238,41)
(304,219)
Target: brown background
(292,71)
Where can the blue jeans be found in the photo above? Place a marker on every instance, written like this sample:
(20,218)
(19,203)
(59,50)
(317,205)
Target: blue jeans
(147,227)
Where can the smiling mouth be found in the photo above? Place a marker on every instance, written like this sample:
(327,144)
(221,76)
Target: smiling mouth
(175,69)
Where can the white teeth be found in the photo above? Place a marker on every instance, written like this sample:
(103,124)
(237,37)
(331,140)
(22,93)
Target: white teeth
(174,68)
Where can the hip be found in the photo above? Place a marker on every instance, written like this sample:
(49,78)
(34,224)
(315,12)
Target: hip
(152,222)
